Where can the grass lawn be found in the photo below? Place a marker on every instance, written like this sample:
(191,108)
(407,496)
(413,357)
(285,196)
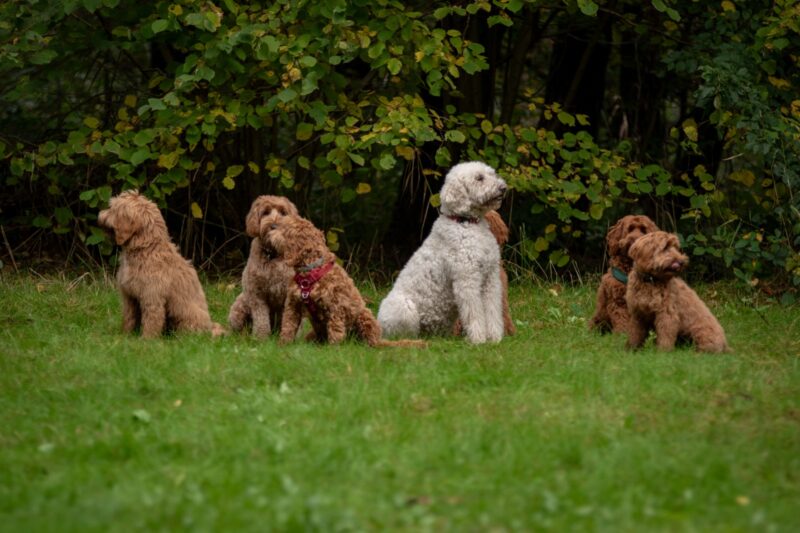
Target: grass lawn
(553,429)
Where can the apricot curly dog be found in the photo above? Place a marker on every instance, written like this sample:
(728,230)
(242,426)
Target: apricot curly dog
(321,288)
(159,288)
(659,300)
(266,276)
(611,311)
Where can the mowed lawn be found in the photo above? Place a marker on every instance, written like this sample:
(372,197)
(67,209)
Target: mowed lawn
(553,429)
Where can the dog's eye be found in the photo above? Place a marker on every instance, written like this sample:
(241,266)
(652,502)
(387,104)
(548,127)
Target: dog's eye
(281,211)
(273,226)
(479,177)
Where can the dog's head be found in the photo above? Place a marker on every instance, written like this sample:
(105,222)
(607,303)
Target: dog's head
(658,254)
(471,189)
(133,220)
(265,210)
(297,241)
(625,232)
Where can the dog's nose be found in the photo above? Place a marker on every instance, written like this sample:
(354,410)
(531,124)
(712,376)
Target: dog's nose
(273,226)
(503,188)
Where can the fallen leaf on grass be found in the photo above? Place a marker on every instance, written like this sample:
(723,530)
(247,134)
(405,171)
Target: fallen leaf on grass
(141,415)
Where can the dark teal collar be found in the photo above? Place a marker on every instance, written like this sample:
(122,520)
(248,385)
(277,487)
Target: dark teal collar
(619,275)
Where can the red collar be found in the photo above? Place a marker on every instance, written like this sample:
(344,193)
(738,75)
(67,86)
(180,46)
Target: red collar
(462,220)
(307,280)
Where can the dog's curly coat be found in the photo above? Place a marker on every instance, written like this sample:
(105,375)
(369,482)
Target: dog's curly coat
(455,274)
(159,288)
(266,276)
(338,308)
(611,311)
(500,231)
(659,300)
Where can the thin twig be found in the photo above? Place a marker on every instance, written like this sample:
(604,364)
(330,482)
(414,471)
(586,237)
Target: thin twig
(8,247)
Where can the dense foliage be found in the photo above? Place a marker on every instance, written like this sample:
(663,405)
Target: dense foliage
(686,110)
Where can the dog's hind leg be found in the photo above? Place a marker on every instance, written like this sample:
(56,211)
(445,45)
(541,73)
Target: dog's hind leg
(399,316)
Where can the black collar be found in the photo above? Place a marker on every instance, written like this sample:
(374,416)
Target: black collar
(464,220)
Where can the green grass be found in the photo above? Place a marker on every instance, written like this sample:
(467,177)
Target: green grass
(553,429)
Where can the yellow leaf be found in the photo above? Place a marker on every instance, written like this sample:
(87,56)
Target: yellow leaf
(743,500)
(406,152)
(130,100)
(727,5)
(210,166)
(253,167)
(196,211)
(363,188)
(550,228)
(690,129)
(796,108)
(418,55)
(122,114)
(435,200)
(91,122)
(176,10)
(228,183)
(744,177)
(168,160)
(779,83)
(541,245)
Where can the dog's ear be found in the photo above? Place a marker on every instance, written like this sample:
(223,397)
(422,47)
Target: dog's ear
(291,209)
(649,225)
(454,198)
(252,222)
(614,239)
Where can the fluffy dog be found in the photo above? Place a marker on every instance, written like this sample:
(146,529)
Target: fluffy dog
(659,300)
(500,232)
(611,311)
(322,288)
(455,274)
(266,276)
(159,288)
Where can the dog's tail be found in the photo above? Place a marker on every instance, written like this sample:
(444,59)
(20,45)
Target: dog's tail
(400,343)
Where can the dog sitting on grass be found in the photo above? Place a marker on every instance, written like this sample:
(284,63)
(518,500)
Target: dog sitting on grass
(611,311)
(321,289)
(160,289)
(658,299)
(266,276)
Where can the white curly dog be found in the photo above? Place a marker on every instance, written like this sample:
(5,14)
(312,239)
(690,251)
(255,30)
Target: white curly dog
(455,273)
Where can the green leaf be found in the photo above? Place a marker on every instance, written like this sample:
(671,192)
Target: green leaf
(139,156)
(596,211)
(387,161)
(233,171)
(159,25)
(486,127)
(443,157)
(287,95)
(41,222)
(455,136)
(565,118)
(304,131)
(394,65)
(228,183)
(43,57)
(63,215)
(588,7)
